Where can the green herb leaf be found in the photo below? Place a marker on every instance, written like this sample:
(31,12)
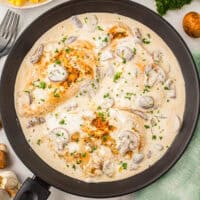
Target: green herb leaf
(117,76)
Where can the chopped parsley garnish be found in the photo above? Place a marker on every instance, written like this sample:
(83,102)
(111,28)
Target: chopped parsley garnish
(55,93)
(105,39)
(104,138)
(154,137)
(124,165)
(117,76)
(124,60)
(99,108)
(146,88)
(67,50)
(74,167)
(64,39)
(42,85)
(134,51)
(129,95)
(86,20)
(146,41)
(62,122)
(58,62)
(100,28)
(93,149)
(160,137)
(166,88)
(83,155)
(146,126)
(102,116)
(38,142)
(59,134)
(107,95)
(78,162)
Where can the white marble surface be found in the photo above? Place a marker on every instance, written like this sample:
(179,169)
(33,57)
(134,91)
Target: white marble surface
(27,16)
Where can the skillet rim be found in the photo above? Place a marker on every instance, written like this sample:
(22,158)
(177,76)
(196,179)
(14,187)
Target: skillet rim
(101,186)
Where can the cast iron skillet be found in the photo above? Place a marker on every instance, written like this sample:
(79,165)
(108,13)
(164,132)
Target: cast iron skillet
(37,187)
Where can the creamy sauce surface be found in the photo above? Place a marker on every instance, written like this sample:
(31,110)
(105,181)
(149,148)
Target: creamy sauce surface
(100,97)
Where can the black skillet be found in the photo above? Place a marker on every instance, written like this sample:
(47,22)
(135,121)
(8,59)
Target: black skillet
(37,187)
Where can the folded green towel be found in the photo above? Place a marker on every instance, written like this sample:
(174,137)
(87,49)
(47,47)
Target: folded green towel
(182,182)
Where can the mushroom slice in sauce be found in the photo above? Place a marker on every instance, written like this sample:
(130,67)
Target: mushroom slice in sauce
(57,73)
(137,33)
(91,23)
(102,41)
(145,102)
(157,56)
(71,39)
(124,53)
(138,158)
(140,114)
(170,87)
(152,75)
(127,140)
(177,123)
(60,136)
(109,168)
(36,121)
(36,56)
(76,21)
(106,55)
(158,147)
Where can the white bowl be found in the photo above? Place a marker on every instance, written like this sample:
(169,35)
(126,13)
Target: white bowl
(28,6)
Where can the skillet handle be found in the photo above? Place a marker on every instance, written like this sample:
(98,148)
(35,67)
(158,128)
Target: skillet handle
(33,189)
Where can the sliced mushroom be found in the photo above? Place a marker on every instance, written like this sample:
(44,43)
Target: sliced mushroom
(177,123)
(137,34)
(36,56)
(61,137)
(145,102)
(76,21)
(71,39)
(138,157)
(107,103)
(140,114)
(161,75)
(89,87)
(157,56)
(158,147)
(108,168)
(92,22)
(4,195)
(106,55)
(171,90)
(110,71)
(127,140)
(102,40)
(57,73)
(36,121)
(71,106)
(152,75)
(124,53)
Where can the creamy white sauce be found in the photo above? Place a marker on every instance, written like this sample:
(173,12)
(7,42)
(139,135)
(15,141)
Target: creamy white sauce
(117,95)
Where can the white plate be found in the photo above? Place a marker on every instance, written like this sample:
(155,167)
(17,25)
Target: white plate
(27,6)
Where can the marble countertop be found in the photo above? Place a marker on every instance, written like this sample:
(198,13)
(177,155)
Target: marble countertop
(27,16)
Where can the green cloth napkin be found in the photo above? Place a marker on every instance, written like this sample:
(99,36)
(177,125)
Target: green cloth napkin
(182,182)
